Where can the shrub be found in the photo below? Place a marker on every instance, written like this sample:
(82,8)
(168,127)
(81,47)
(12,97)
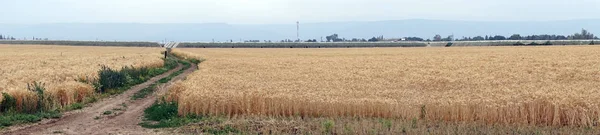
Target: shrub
(8,103)
(110,79)
(39,89)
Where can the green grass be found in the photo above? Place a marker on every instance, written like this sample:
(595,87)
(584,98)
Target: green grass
(10,118)
(164,115)
(161,111)
(144,92)
(74,106)
(170,77)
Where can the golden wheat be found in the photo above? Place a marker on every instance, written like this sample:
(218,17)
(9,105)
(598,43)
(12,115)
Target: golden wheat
(496,85)
(59,67)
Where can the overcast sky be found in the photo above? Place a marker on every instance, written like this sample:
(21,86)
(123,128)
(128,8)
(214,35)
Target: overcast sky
(286,11)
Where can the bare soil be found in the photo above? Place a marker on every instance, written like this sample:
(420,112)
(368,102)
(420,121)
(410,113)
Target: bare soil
(115,115)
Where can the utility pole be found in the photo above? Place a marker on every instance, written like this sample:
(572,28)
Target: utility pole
(298,30)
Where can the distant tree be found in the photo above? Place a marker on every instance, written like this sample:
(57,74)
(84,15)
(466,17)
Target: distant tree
(586,34)
(1,37)
(515,37)
(334,38)
(478,38)
(464,39)
(449,38)
(487,37)
(413,39)
(380,38)
(437,38)
(252,41)
(583,35)
(497,37)
(374,39)
(312,40)
(363,40)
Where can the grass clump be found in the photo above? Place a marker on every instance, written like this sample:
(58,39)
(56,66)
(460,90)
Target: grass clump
(161,111)
(328,127)
(75,106)
(164,115)
(107,112)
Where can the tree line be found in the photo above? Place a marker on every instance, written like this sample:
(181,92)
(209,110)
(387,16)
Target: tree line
(6,37)
(583,35)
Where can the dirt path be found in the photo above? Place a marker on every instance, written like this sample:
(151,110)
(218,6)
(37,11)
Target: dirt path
(115,115)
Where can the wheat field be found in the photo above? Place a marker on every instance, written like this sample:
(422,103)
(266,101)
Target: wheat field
(58,67)
(555,85)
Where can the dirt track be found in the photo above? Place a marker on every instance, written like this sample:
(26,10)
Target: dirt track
(125,114)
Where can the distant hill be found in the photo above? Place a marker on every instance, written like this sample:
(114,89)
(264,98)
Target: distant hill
(225,32)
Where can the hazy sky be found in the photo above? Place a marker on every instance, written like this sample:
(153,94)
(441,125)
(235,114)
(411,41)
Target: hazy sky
(286,11)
